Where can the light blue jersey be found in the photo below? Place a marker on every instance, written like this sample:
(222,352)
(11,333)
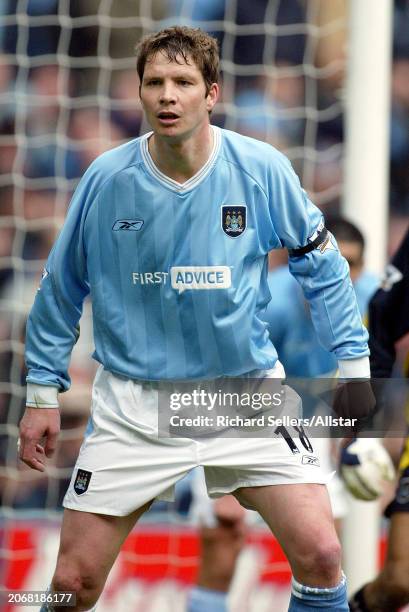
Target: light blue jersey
(291,328)
(178,273)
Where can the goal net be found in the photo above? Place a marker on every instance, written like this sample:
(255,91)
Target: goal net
(68,92)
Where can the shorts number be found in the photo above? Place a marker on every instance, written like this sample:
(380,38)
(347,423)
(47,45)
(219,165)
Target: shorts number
(304,438)
(291,444)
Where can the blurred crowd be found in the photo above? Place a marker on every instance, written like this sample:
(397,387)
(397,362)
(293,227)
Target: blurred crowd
(69,91)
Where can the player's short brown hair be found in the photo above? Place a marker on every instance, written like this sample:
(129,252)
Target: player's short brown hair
(182,42)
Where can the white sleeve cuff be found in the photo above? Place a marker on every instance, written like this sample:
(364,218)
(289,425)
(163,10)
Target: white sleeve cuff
(354,368)
(41,396)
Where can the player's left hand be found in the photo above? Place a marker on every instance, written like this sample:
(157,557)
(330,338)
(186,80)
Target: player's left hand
(354,399)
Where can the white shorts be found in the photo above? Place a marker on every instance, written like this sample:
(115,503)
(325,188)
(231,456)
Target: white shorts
(336,489)
(123,463)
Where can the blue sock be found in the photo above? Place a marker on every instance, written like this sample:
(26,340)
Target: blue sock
(305,598)
(206,600)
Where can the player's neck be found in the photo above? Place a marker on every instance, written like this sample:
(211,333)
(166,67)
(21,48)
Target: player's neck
(180,160)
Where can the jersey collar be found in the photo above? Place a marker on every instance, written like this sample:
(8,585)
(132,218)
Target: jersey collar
(195,180)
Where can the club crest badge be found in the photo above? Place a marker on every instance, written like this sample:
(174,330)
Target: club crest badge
(82,481)
(234,219)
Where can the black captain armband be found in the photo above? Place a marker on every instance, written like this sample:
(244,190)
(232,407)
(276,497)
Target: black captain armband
(321,237)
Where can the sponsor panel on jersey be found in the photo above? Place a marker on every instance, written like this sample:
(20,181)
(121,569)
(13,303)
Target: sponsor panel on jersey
(187,277)
(200,277)
(149,278)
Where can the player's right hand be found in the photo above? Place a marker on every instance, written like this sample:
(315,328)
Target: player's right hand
(39,429)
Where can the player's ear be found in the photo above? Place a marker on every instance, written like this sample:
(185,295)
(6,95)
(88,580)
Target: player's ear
(212,96)
(140,95)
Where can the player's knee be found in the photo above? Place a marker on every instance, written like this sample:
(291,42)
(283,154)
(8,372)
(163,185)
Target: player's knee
(66,582)
(85,586)
(323,561)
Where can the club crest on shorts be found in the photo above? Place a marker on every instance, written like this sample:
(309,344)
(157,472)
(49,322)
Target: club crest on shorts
(82,481)
(234,219)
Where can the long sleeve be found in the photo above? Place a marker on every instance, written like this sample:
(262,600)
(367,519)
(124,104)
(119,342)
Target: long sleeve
(53,323)
(322,273)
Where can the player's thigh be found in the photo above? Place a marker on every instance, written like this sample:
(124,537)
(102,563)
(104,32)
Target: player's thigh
(299,515)
(90,543)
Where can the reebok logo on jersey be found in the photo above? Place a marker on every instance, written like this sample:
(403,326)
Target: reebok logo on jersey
(234,219)
(128,225)
(200,277)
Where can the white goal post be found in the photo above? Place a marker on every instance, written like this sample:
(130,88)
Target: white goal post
(366,203)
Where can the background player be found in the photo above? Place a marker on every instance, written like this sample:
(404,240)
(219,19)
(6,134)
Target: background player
(388,322)
(222,531)
(143,217)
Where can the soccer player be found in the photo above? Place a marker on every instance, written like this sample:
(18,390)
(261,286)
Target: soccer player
(388,322)
(177,282)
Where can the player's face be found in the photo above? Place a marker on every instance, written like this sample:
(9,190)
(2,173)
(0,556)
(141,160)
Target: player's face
(174,97)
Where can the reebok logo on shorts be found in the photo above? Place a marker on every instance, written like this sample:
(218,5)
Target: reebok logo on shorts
(310,460)
(82,480)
